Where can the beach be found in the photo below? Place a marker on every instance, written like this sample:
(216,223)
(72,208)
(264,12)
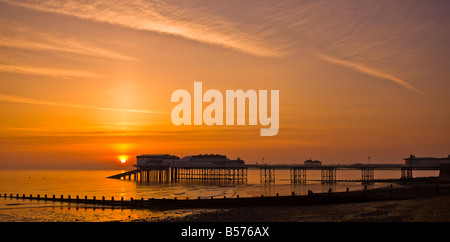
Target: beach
(432,209)
(37,196)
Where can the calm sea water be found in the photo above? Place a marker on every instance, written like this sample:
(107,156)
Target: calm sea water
(94,183)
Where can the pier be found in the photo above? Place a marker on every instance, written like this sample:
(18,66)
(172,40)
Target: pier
(235,174)
(169,168)
(210,173)
(218,168)
(238,174)
(298,173)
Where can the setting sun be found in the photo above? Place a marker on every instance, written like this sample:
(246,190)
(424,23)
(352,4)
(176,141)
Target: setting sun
(123,159)
(140,111)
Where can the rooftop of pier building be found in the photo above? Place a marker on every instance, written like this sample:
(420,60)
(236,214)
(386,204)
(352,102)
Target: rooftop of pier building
(201,159)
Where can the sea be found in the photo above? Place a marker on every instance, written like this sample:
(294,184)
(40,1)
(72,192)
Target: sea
(95,183)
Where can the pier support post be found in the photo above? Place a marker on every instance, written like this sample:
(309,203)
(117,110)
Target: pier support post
(328,175)
(167,174)
(406,175)
(367,175)
(267,174)
(298,175)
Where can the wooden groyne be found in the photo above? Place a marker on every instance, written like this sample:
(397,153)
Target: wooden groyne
(391,193)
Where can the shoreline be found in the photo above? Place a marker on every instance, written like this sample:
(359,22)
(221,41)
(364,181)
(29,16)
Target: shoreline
(421,190)
(415,205)
(414,202)
(432,209)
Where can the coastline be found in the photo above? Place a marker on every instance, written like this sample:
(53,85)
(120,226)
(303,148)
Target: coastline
(413,205)
(411,210)
(422,201)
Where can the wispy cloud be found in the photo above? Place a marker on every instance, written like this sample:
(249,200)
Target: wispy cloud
(29,70)
(368,71)
(159,16)
(25,38)
(26,100)
(366,36)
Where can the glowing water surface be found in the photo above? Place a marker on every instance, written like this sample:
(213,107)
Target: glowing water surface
(94,183)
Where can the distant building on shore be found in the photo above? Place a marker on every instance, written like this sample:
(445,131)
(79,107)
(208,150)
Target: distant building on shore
(194,160)
(313,162)
(425,161)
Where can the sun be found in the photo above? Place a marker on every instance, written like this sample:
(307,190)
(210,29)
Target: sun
(123,159)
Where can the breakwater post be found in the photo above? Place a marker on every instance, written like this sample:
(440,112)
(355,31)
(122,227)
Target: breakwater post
(410,192)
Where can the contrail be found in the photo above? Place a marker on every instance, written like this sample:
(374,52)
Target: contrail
(17,99)
(371,72)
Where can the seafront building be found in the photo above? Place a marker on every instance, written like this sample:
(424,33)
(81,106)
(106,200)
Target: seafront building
(443,164)
(425,161)
(204,167)
(143,161)
(155,160)
(312,162)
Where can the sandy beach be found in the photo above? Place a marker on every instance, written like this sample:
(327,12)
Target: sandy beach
(433,209)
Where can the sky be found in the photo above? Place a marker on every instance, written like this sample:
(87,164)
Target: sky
(84,84)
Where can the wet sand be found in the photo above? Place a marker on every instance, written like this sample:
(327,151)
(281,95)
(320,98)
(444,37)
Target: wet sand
(435,209)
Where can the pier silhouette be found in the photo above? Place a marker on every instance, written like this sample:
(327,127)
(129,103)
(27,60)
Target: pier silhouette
(298,173)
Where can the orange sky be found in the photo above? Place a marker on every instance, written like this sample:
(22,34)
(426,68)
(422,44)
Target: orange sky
(82,84)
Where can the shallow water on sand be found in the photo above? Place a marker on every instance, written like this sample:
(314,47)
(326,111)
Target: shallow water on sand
(94,183)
